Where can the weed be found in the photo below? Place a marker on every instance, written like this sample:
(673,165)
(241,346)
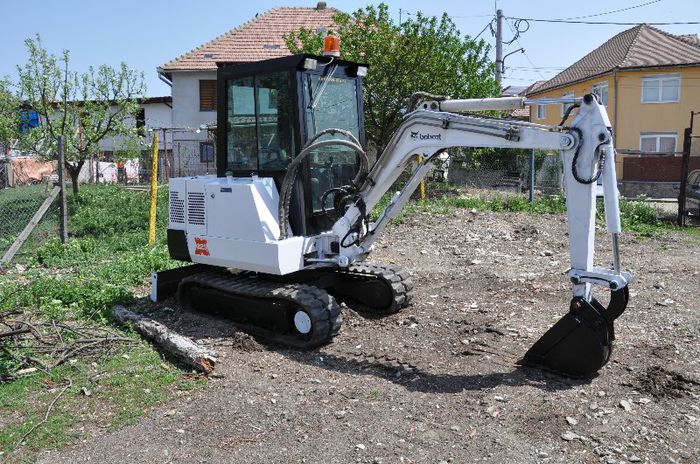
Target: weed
(121,389)
(637,217)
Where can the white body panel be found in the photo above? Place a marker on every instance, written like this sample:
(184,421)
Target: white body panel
(232,222)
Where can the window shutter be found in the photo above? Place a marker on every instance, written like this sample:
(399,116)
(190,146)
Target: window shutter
(207,95)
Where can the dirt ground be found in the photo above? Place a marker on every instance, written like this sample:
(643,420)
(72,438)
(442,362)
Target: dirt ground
(438,382)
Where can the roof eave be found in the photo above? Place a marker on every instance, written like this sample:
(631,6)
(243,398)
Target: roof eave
(626,68)
(661,66)
(567,84)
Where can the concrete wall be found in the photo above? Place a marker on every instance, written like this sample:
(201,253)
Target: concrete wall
(633,189)
(158,115)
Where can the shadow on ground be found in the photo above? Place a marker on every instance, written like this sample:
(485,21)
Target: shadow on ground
(224,333)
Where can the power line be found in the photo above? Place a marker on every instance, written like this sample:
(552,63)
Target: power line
(516,33)
(409,13)
(482,31)
(610,23)
(613,11)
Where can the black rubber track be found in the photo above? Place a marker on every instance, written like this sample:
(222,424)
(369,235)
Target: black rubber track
(322,308)
(398,284)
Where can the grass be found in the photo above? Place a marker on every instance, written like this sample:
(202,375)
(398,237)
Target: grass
(106,258)
(106,261)
(22,202)
(116,390)
(636,217)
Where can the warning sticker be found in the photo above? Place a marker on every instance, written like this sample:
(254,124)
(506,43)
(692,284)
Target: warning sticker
(200,246)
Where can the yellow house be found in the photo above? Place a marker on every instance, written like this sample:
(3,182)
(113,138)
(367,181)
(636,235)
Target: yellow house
(649,80)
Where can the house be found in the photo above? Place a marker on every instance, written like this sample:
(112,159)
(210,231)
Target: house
(648,80)
(192,76)
(516,91)
(155,116)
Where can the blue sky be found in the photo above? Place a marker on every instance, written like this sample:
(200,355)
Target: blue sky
(147,33)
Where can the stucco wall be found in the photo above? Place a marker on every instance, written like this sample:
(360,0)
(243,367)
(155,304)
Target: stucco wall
(186,114)
(158,115)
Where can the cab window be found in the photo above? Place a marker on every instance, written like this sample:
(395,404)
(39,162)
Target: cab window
(331,102)
(260,122)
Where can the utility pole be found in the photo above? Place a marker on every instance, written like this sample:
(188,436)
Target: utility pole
(499,47)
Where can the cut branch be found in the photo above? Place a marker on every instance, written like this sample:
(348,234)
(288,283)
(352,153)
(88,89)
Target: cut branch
(46,416)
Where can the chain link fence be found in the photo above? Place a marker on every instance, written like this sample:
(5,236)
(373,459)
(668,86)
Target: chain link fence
(492,171)
(25,185)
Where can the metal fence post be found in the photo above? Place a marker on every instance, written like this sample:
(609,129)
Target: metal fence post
(687,138)
(63,228)
(532,176)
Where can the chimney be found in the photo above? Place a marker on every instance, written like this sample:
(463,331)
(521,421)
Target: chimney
(321,6)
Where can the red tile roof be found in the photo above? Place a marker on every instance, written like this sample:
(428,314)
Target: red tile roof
(258,39)
(642,46)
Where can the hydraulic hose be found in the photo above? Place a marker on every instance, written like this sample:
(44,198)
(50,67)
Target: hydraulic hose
(293,169)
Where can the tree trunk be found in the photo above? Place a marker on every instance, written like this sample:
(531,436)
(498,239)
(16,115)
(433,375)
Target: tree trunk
(74,172)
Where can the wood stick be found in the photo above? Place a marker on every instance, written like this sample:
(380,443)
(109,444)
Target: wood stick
(14,332)
(178,346)
(46,416)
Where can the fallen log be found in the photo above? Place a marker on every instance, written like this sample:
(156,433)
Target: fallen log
(178,346)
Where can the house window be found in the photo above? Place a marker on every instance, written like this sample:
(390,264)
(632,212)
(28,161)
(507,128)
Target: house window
(207,95)
(141,121)
(206,152)
(601,90)
(566,106)
(541,111)
(657,142)
(661,88)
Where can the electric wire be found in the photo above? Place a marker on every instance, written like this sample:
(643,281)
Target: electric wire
(482,31)
(517,33)
(610,23)
(613,11)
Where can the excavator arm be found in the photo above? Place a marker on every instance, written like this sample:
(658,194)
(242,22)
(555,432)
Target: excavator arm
(579,343)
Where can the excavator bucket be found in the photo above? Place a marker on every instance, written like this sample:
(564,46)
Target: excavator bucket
(580,343)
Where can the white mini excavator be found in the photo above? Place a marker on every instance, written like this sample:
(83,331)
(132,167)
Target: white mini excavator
(280,236)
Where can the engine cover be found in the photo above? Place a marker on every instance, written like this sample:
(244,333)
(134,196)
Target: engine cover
(232,222)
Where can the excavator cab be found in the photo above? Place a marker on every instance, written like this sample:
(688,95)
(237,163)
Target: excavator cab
(269,110)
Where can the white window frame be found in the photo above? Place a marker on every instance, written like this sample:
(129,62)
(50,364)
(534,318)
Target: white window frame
(661,78)
(541,112)
(565,106)
(602,85)
(657,136)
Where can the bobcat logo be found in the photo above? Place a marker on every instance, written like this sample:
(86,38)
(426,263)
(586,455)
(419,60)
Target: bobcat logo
(418,136)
